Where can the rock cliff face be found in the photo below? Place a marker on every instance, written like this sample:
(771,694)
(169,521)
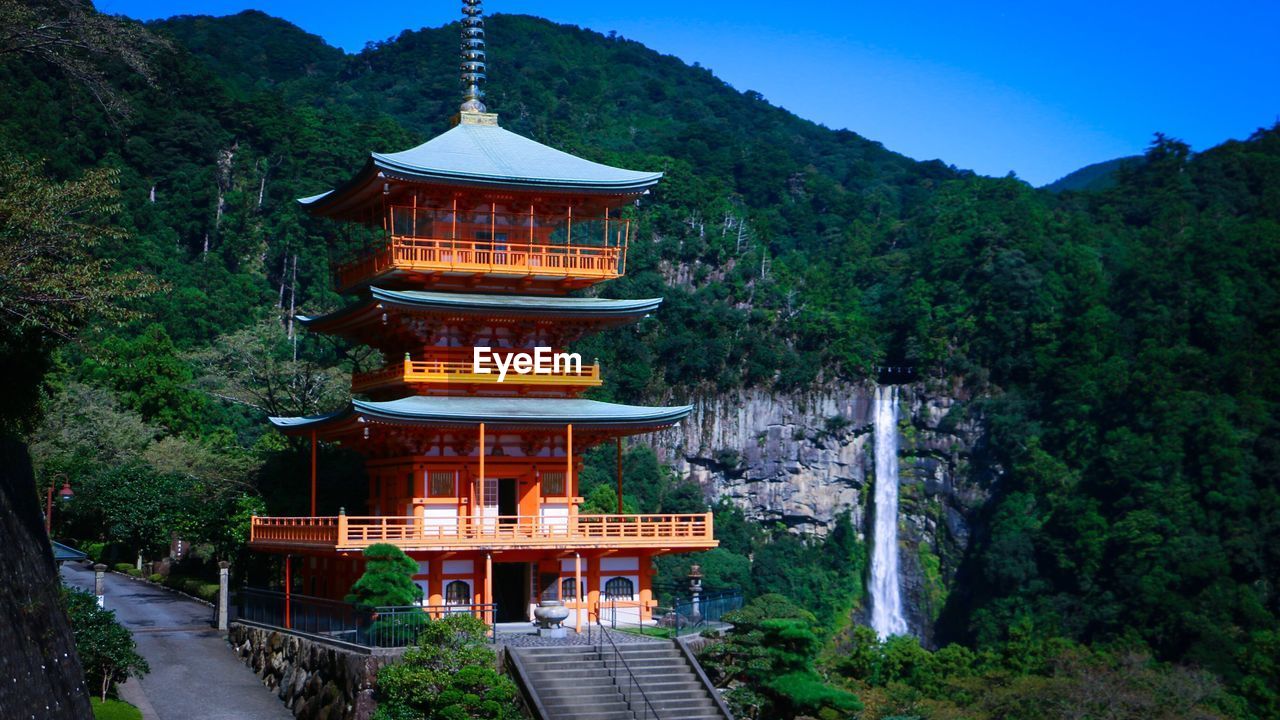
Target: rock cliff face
(802,459)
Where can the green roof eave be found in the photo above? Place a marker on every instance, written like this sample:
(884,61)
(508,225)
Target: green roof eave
(446,410)
(485,156)
(474,303)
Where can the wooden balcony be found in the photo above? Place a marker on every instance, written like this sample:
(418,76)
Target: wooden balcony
(461,373)
(443,248)
(344,532)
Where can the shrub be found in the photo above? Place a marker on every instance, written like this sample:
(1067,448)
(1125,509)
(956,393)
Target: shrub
(194,587)
(156,578)
(122,567)
(135,572)
(106,648)
(398,630)
(94,550)
(452,673)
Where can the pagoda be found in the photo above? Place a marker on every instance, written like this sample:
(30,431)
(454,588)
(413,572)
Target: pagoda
(472,467)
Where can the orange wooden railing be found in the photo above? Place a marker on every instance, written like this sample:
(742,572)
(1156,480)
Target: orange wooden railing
(462,372)
(435,245)
(343,531)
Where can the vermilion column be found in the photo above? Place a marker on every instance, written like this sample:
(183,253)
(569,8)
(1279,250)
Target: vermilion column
(577,583)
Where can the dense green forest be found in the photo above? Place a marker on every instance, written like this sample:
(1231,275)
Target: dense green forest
(1121,344)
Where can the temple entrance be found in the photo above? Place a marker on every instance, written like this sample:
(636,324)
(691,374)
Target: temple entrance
(511,591)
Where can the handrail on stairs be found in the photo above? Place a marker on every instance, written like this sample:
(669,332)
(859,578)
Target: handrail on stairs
(632,682)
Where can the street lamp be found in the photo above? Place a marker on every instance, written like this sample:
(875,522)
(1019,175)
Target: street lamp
(64,494)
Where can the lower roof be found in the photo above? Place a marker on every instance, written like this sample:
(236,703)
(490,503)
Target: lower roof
(521,412)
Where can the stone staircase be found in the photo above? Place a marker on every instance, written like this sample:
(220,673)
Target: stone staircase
(576,683)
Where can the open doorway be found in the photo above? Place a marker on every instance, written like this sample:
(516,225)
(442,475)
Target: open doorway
(508,500)
(511,591)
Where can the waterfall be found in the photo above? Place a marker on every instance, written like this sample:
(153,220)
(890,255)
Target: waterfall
(886,597)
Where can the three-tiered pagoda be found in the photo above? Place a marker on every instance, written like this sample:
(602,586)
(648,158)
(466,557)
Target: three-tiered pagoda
(472,473)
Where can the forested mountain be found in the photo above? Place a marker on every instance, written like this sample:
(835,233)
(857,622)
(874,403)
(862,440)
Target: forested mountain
(1098,176)
(1120,347)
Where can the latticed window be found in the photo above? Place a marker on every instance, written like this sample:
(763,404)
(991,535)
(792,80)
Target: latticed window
(553,484)
(439,484)
(457,592)
(569,589)
(619,588)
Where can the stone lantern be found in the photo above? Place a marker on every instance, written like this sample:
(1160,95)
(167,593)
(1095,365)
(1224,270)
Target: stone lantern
(695,590)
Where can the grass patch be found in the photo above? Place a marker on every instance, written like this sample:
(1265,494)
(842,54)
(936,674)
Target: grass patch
(653,632)
(114,710)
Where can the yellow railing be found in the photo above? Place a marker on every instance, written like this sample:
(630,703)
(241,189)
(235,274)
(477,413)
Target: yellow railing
(458,372)
(354,532)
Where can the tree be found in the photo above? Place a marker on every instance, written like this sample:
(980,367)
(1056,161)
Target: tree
(259,368)
(72,37)
(106,648)
(770,652)
(387,580)
(149,376)
(50,282)
(450,675)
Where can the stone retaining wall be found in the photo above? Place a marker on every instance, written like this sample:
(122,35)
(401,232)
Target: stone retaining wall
(315,680)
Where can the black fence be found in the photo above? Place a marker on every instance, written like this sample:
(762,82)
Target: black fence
(689,616)
(374,627)
(685,616)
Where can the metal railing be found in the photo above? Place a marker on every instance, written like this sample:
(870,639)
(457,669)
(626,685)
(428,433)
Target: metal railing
(373,627)
(609,653)
(683,617)
(689,616)
(352,531)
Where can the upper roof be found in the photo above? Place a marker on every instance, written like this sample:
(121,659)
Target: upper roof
(504,411)
(488,156)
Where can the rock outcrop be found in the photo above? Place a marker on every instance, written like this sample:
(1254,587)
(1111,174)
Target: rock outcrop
(802,459)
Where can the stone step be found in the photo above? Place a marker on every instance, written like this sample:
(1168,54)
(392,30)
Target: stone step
(554,649)
(578,686)
(647,648)
(585,703)
(635,662)
(662,674)
(586,667)
(580,714)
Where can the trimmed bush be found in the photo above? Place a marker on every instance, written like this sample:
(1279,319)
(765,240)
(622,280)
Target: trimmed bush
(156,578)
(387,580)
(94,550)
(123,567)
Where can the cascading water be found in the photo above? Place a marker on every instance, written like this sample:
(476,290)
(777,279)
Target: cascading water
(886,598)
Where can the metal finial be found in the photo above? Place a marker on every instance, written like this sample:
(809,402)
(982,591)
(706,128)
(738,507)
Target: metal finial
(472,56)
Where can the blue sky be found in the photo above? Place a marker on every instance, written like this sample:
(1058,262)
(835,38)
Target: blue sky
(1036,88)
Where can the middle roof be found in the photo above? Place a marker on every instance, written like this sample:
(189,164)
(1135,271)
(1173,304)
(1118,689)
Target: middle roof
(367,320)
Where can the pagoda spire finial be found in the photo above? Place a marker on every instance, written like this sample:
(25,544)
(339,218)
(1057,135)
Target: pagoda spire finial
(472,67)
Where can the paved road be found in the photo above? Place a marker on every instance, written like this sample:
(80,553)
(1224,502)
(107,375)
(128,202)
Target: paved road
(194,673)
